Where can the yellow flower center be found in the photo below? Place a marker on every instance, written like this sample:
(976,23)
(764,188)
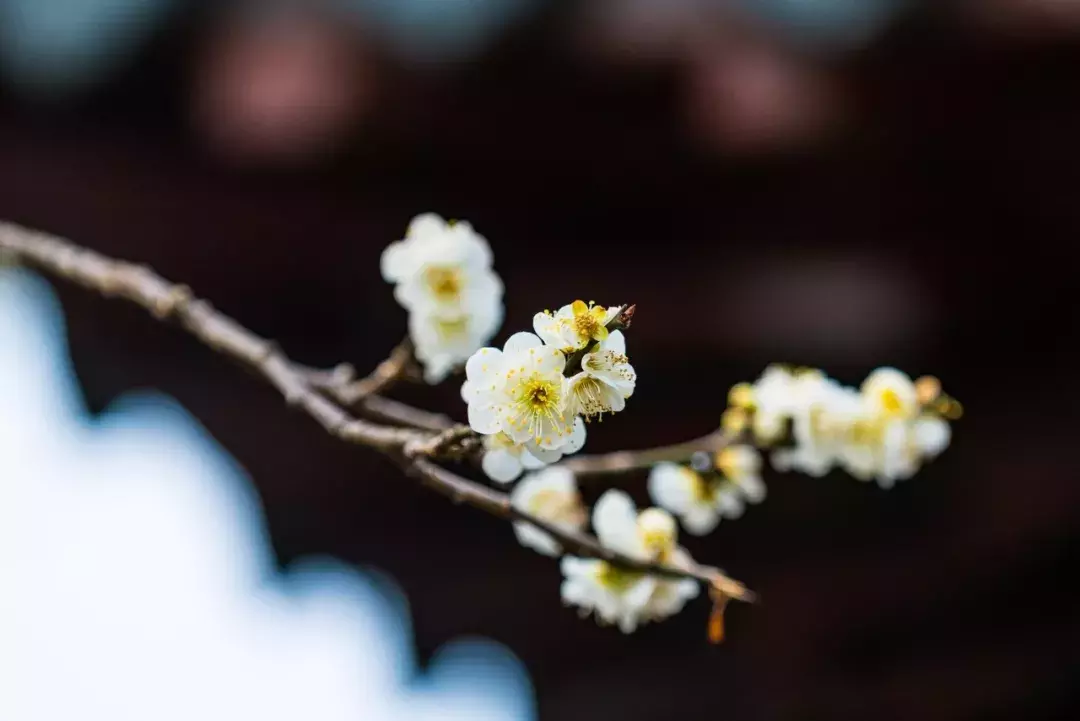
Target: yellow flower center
(451,327)
(616,579)
(589,394)
(890,402)
(536,399)
(444,282)
(727,462)
(556,506)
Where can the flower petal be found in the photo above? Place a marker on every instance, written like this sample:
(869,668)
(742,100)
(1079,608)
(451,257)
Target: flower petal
(577,437)
(700,519)
(752,487)
(673,487)
(483,367)
(532,537)
(483,418)
(543,455)
(425,224)
(932,435)
(615,521)
(615,342)
(467,391)
(501,465)
(522,341)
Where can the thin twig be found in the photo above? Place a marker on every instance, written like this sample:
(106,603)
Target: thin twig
(413,447)
(629,461)
(348,391)
(372,404)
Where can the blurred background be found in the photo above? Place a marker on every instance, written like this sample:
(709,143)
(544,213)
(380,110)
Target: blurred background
(836,183)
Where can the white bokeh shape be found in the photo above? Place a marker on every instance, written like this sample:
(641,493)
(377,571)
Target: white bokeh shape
(139,582)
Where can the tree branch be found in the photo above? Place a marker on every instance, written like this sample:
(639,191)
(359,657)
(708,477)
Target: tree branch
(427,436)
(629,461)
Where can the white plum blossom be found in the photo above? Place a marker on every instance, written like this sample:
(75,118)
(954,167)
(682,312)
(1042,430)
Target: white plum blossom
(889,393)
(773,402)
(531,398)
(605,381)
(625,598)
(881,431)
(440,263)
(443,341)
(520,391)
(550,495)
(443,276)
(701,500)
(574,326)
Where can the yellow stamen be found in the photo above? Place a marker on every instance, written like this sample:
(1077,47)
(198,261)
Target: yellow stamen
(741,395)
(443,281)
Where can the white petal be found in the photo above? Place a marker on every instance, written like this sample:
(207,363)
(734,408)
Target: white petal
(467,391)
(615,342)
(521,342)
(637,596)
(484,366)
(396,262)
(615,521)
(532,537)
(501,465)
(730,505)
(532,463)
(425,224)
(700,519)
(483,418)
(546,326)
(753,488)
(673,487)
(932,435)
(577,438)
(437,368)
(542,455)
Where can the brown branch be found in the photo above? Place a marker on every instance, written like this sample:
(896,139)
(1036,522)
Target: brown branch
(336,382)
(428,434)
(630,461)
(347,390)
(169,301)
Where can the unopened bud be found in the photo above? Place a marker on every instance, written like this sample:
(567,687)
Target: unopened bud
(927,389)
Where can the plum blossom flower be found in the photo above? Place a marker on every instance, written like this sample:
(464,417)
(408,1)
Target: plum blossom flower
(606,379)
(883,431)
(625,598)
(700,500)
(574,326)
(520,391)
(444,340)
(443,277)
(550,495)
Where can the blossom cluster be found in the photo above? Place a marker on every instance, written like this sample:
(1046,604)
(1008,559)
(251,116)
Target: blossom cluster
(531,399)
(442,271)
(884,430)
(614,596)
(712,487)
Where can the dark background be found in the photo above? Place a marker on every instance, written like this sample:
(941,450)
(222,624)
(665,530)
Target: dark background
(912,200)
